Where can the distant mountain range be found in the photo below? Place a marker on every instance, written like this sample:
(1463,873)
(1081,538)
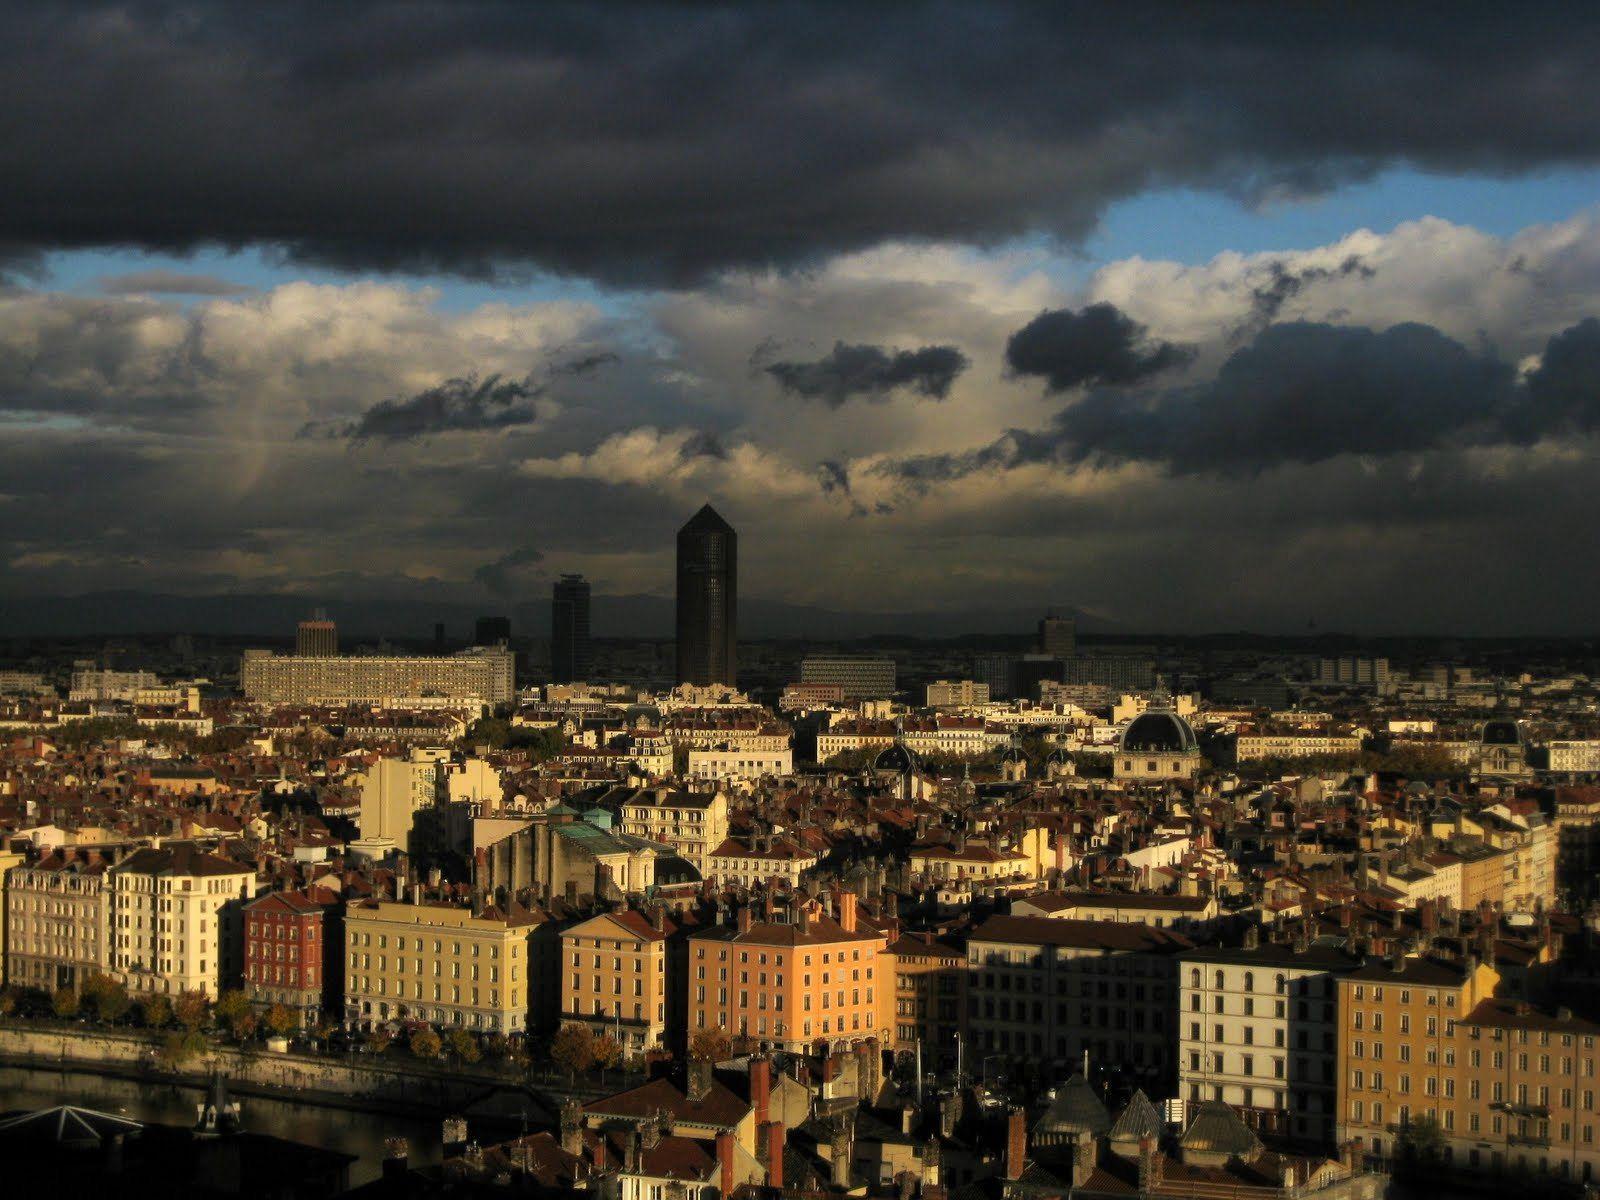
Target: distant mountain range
(275,615)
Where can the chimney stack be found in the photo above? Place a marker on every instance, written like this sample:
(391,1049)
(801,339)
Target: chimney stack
(725,1160)
(760,1086)
(1016,1143)
(775,1142)
(847,911)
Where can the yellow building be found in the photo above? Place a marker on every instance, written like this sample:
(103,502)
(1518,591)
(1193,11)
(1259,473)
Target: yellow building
(614,976)
(438,963)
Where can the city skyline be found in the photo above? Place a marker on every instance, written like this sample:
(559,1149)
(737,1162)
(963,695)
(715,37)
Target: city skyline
(1200,347)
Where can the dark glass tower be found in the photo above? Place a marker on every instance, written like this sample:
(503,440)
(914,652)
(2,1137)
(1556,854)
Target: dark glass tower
(708,557)
(571,649)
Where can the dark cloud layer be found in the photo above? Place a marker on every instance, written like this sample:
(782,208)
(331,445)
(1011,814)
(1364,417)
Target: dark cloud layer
(871,372)
(1099,344)
(456,405)
(1305,393)
(503,575)
(176,283)
(645,141)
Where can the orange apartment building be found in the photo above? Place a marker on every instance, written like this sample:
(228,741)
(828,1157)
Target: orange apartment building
(614,976)
(789,985)
(1511,1087)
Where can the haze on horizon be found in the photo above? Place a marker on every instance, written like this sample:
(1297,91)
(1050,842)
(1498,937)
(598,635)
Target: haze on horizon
(1191,320)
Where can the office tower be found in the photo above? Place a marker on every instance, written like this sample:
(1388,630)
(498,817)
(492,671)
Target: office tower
(491,631)
(861,678)
(571,648)
(316,638)
(1058,635)
(707,600)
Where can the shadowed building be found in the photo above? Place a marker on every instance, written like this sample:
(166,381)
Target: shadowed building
(707,600)
(571,647)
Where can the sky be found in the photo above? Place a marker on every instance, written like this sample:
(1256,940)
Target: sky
(1190,318)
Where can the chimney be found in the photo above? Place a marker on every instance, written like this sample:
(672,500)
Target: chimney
(1016,1143)
(699,1079)
(775,1141)
(760,1086)
(725,1160)
(658,918)
(847,911)
(841,1143)
(1083,1159)
(1149,1165)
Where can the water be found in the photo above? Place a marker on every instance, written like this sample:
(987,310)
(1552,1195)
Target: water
(348,1131)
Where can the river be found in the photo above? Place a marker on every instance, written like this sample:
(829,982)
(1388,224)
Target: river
(357,1133)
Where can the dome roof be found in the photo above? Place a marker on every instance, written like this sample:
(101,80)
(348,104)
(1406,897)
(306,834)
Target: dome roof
(1159,730)
(897,758)
(1502,731)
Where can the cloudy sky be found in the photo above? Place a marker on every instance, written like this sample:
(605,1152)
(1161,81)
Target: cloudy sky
(1194,321)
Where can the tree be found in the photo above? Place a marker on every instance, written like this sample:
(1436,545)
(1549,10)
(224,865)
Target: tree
(379,1040)
(232,1009)
(155,1012)
(496,1045)
(281,1021)
(107,997)
(64,1002)
(192,1010)
(607,1052)
(1421,1141)
(425,1043)
(180,1048)
(709,1045)
(8,1001)
(465,1046)
(572,1049)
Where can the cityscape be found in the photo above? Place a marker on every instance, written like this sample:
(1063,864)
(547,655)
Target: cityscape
(714,602)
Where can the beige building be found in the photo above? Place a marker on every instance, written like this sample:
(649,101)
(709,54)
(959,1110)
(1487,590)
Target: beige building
(614,977)
(692,823)
(57,921)
(760,859)
(485,674)
(392,790)
(175,920)
(957,693)
(733,763)
(438,963)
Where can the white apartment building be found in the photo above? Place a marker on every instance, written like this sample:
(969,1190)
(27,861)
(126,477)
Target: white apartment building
(1294,743)
(759,859)
(1258,1029)
(1576,757)
(692,823)
(733,763)
(57,921)
(484,673)
(957,693)
(392,790)
(175,920)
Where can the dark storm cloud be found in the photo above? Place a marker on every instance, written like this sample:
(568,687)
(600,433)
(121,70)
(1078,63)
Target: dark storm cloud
(456,405)
(585,364)
(1284,284)
(1304,393)
(871,372)
(703,444)
(646,142)
(176,283)
(1099,344)
(833,476)
(502,575)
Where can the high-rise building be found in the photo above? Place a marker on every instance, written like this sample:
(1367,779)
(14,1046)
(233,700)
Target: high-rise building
(1058,635)
(861,678)
(491,631)
(316,638)
(707,600)
(486,675)
(571,647)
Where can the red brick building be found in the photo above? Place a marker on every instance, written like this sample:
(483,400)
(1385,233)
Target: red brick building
(291,952)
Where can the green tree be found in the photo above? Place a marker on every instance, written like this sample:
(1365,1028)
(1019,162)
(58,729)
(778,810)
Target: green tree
(281,1021)
(572,1049)
(155,1012)
(709,1045)
(64,1002)
(107,997)
(231,1010)
(1421,1142)
(425,1043)
(192,1009)
(465,1046)
(180,1048)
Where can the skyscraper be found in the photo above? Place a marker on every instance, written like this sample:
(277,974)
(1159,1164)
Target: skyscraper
(316,638)
(571,648)
(707,600)
(491,631)
(1058,635)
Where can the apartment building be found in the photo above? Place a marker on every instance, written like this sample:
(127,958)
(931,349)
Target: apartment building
(1056,990)
(788,985)
(861,678)
(692,823)
(176,920)
(438,963)
(760,859)
(482,674)
(1258,1029)
(291,953)
(930,996)
(615,977)
(733,763)
(956,693)
(1258,743)
(57,920)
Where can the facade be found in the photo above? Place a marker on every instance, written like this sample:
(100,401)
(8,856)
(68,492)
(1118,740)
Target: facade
(733,763)
(175,920)
(614,977)
(316,638)
(438,963)
(482,674)
(571,643)
(1058,635)
(753,860)
(692,823)
(1121,672)
(1294,743)
(290,951)
(930,995)
(57,921)
(861,678)
(708,610)
(392,791)
(1054,991)
(1156,745)
(1574,757)
(789,985)
(806,695)
(957,693)
(90,683)
(1258,1030)
(1369,672)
